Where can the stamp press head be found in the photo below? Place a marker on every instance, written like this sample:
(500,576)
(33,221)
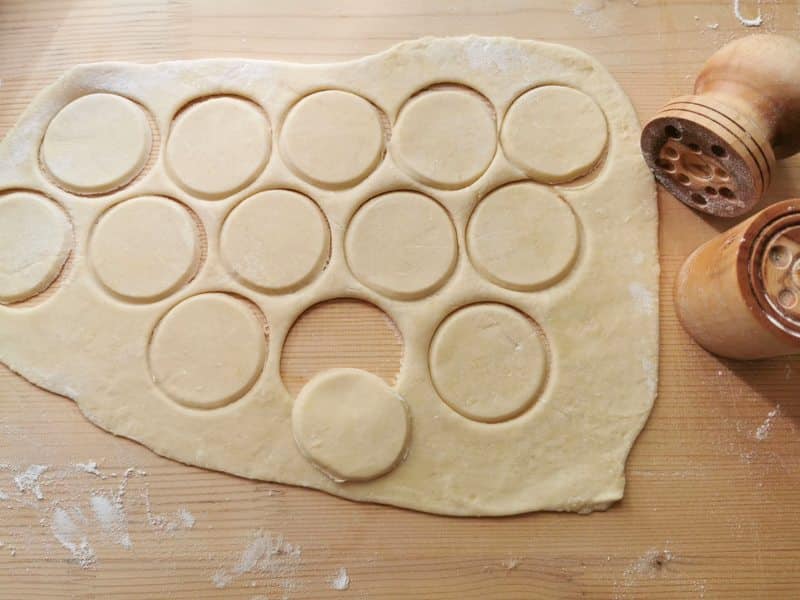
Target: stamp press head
(715,150)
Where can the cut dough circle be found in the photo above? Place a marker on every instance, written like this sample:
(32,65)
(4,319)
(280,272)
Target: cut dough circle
(554,133)
(351,424)
(275,241)
(219,145)
(35,239)
(522,236)
(145,248)
(488,362)
(445,137)
(97,143)
(208,350)
(402,244)
(332,138)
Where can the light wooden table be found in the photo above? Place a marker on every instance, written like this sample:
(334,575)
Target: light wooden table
(711,507)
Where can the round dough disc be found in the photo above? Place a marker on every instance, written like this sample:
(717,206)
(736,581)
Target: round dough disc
(218,146)
(445,138)
(208,350)
(144,249)
(35,239)
(402,244)
(275,241)
(488,362)
(554,133)
(332,138)
(522,236)
(350,424)
(97,143)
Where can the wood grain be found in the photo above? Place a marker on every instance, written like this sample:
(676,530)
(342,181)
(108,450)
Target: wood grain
(710,509)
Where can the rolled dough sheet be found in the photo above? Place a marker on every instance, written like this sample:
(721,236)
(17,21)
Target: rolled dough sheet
(163,226)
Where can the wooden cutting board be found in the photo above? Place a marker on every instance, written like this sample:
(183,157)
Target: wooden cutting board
(711,507)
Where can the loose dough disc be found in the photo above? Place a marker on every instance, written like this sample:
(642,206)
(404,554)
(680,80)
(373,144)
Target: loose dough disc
(402,244)
(522,236)
(275,241)
(332,138)
(144,249)
(488,362)
(35,239)
(350,424)
(445,138)
(554,133)
(218,146)
(97,143)
(208,350)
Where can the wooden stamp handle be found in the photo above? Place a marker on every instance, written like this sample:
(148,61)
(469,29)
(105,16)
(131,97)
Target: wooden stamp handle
(716,150)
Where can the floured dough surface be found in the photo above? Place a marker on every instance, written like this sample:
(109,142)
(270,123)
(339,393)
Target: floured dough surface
(96,143)
(164,229)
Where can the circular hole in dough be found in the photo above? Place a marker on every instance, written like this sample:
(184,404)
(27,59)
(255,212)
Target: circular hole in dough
(337,333)
(217,146)
(554,133)
(445,137)
(276,241)
(522,236)
(144,249)
(333,138)
(402,244)
(35,240)
(208,350)
(97,143)
(488,362)
(350,424)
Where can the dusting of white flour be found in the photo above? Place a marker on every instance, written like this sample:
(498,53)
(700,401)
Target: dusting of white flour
(110,513)
(341,581)
(29,480)
(69,530)
(751,22)
(764,429)
(266,553)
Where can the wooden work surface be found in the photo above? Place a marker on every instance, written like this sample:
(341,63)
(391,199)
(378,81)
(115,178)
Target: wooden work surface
(711,507)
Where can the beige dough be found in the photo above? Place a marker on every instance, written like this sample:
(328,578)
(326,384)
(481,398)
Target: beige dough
(402,244)
(522,236)
(208,350)
(445,137)
(218,146)
(554,133)
(96,143)
(418,181)
(332,138)
(35,238)
(144,249)
(351,424)
(488,362)
(275,241)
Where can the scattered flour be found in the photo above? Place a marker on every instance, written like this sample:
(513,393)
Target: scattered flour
(752,22)
(29,480)
(187,518)
(487,53)
(68,531)
(90,467)
(764,429)
(3,496)
(341,581)
(651,564)
(183,518)
(265,553)
(110,513)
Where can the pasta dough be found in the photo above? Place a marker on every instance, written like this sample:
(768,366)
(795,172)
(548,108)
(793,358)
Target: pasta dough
(486,194)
